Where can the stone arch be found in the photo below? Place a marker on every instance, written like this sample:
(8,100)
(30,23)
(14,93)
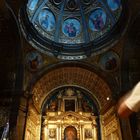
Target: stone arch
(74,74)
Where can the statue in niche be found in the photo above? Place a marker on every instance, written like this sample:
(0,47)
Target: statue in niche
(70,133)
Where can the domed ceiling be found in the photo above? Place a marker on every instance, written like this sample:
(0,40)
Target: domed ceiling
(70,29)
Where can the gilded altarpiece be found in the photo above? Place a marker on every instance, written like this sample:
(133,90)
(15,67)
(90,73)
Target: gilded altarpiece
(70,114)
(69,125)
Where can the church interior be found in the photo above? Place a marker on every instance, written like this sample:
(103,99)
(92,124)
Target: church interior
(69,63)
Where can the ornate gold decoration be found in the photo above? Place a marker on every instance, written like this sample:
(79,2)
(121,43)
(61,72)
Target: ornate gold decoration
(59,122)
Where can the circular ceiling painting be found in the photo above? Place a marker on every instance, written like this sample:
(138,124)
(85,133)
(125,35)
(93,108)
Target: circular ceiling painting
(72,29)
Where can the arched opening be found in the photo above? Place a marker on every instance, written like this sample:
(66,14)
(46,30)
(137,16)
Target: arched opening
(70,113)
(70,95)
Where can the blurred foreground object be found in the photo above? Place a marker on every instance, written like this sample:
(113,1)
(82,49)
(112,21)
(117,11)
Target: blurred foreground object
(130,102)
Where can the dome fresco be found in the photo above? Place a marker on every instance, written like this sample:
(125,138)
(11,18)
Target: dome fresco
(71,27)
(97,20)
(46,20)
(66,27)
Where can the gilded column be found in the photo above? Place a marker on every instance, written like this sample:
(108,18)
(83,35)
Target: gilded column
(45,131)
(102,127)
(59,132)
(95,133)
(59,102)
(81,133)
(79,102)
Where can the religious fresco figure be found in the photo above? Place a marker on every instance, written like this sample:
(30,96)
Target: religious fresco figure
(97,20)
(53,106)
(70,30)
(47,20)
(34,61)
(109,61)
(44,22)
(71,27)
(70,133)
(85,106)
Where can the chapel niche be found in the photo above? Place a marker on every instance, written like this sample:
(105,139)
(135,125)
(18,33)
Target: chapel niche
(70,113)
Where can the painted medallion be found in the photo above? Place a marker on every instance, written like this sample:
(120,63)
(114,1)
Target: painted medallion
(71,27)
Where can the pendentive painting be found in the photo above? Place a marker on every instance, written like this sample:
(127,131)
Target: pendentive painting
(71,27)
(114,4)
(97,20)
(47,20)
(34,61)
(109,61)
